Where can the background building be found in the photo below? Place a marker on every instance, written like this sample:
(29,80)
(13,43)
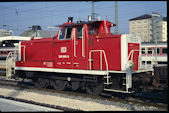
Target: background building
(4,32)
(8,40)
(164,29)
(141,27)
(149,27)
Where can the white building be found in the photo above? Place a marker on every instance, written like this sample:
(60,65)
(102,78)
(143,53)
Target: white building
(143,27)
(4,32)
(164,29)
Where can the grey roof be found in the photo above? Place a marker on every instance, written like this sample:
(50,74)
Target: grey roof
(145,16)
(44,33)
(39,33)
(27,33)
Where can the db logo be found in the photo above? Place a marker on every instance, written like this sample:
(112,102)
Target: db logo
(63,49)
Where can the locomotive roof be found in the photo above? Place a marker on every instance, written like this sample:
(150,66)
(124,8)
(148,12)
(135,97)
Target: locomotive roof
(78,24)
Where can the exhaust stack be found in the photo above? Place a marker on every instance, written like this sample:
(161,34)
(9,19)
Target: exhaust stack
(70,19)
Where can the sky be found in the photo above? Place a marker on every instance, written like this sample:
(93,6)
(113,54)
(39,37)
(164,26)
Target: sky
(20,16)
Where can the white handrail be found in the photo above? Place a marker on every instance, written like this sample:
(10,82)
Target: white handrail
(83,43)
(10,54)
(13,55)
(74,43)
(131,54)
(104,54)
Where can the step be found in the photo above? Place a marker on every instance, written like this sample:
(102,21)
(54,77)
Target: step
(121,91)
(107,83)
(106,76)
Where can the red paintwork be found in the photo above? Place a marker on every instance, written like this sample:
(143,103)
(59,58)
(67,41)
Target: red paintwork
(47,53)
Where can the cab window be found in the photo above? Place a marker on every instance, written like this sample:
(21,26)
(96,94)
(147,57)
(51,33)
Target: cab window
(65,33)
(94,29)
(62,33)
(68,33)
(79,32)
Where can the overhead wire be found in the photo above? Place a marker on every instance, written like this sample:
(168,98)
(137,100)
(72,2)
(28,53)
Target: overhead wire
(68,11)
(45,7)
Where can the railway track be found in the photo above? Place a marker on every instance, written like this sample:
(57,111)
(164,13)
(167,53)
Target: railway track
(28,85)
(40,104)
(135,98)
(142,99)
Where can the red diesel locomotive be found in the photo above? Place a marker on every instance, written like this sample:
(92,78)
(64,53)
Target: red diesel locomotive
(83,55)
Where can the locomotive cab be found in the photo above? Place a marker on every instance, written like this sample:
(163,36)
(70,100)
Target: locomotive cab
(88,37)
(78,38)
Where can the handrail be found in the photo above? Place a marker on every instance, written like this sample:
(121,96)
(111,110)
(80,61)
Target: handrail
(13,55)
(104,54)
(74,43)
(131,54)
(10,54)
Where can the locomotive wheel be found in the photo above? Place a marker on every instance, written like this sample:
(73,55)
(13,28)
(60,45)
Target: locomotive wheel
(75,86)
(59,85)
(42,83)
(94,88)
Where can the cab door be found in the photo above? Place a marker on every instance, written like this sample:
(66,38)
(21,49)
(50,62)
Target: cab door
(79,48)
(62,48)
(136,47)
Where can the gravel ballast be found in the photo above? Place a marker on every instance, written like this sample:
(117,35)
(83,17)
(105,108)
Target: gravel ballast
(74,102)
